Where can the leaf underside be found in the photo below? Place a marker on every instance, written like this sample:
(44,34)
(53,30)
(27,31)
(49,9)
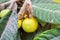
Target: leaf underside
(3,22)
(11,29)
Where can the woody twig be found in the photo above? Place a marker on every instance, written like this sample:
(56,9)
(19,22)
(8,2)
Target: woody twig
(26,7)
(6,3)
(2,5)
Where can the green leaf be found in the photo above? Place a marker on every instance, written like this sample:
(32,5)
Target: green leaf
(46,11)
(55,26)
(53,34)
(11,28)
(18,36)
(3,22)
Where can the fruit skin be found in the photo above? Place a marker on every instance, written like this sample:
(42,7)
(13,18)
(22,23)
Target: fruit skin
(4,12)
(19,23)
(56,1)
(30,25)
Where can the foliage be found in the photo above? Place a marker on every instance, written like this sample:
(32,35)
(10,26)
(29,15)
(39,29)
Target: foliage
(52,34)
(45,11)
(3,22)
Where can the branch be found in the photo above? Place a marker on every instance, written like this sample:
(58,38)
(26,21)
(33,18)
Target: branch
(26,7)
(2,6)
(12,5)
(22,11)
(6,3)
(29,9)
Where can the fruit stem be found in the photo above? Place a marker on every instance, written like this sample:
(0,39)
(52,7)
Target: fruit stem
(26,7)
(29,9)
(12,5)
(22,11)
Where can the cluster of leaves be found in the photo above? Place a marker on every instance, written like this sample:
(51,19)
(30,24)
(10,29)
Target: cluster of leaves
(46,12)
(53,34)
